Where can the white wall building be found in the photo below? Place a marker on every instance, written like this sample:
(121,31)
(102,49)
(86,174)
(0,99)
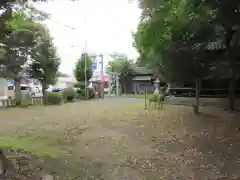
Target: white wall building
(97,63)
(65,82)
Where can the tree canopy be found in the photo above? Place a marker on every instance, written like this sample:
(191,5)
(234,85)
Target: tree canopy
(44,60)
(79,70)
(18,39)
(26,47)
(121,65)
(184,39)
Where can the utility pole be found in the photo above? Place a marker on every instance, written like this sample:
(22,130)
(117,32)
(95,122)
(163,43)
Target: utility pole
(101,76)
(85,74)
(85,60)
(110,84)
(117,84)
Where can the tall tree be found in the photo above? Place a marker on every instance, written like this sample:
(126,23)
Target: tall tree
(82,64)
(18,36)
(44,60)
(123,67)
(173,39)
(223,17)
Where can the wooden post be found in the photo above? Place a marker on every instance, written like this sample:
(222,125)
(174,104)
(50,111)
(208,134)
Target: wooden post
(145,96)
(198,86)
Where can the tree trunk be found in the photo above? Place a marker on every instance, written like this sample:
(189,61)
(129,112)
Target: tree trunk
(44,88)
(125,88)
(229,36)
(4,164)
(18,93)
(198,88)
(232,91)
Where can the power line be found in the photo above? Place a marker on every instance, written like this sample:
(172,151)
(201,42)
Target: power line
(73,28)
(49,18)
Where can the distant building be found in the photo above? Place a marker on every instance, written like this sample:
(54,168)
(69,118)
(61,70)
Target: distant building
(142,80)
(97,69)
(65,82)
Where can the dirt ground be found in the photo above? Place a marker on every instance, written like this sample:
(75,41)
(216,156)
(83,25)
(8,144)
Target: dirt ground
(116,139)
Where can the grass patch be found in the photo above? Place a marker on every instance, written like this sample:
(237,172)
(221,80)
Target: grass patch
(38,145)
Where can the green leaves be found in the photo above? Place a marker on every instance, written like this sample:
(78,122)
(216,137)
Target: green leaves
(172,38)
(123,67)
(45,61)
(83,62)
(18,36)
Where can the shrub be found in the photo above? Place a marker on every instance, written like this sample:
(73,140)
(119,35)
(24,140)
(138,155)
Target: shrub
(69,94)
(91,93)
(53,98)
(80,93)
(80,85)
(157,97)
(153,98)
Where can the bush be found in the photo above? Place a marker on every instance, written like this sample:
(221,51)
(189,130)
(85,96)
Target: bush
(153,98)
(156,97)
(53,98)
(91,93)
(80,85)
(69,94)
(80,93)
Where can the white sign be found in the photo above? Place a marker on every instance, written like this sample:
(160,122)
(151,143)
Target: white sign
(3,89)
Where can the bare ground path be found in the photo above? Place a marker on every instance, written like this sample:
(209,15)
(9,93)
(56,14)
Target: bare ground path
(116,139)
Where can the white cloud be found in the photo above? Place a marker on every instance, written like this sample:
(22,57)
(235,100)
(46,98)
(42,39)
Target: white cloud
(108,27)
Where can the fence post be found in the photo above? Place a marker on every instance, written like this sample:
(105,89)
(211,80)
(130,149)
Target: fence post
(145,96)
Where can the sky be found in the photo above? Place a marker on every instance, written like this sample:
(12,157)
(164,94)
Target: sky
(100,26)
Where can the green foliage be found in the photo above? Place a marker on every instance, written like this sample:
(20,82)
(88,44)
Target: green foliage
(91,93)
(69,94)
(79,70)
(80,85)
(184,39)
(45,61)
(115,65)
(156,97)
(53,98)
(153,97)
(80,94)
(17,34)
(182,31)
(80,90)
(123,67)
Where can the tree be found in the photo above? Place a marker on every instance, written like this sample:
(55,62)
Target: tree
(17,39)
(115,65)
(45,61)
(82,64)
(220,17)
(173,39)
(18,36)
(226,18)
(123,67)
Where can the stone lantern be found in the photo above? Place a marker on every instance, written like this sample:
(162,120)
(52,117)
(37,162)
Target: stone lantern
(156,83)
(2,68)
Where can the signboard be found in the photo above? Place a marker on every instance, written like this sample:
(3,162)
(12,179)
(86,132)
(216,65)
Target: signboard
(10,81)
(94,67)
(3,88)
